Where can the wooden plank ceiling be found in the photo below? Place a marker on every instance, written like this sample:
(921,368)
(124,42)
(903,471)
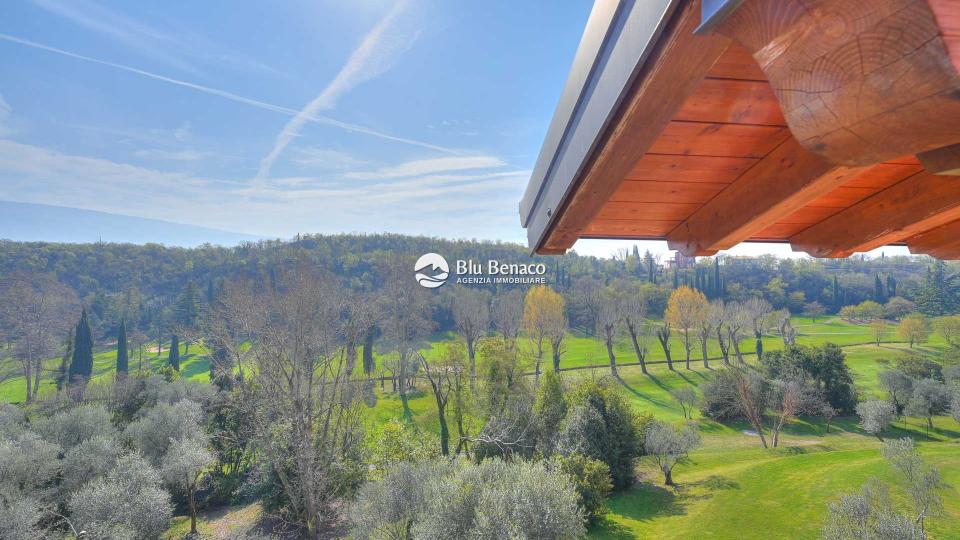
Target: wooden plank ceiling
(697,174)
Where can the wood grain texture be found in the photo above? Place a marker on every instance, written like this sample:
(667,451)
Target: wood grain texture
(674,168)
(783,182)
(859,81)
(620,228)
(919,203)
(733,102)
(641,191)
(737,63)
(676,67)
(730,140)
(943,239)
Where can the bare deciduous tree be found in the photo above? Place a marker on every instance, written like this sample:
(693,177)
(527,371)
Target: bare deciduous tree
(634,318)
(308,421)
(507,313)
(471,315)
(609,315)
(38,314)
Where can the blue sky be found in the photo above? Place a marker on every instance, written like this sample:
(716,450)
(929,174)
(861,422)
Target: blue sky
(416,117)
(420,117)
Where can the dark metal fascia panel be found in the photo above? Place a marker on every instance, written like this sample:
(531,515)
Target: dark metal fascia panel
(617,41)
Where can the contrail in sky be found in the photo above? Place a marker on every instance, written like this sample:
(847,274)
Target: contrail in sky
(316,118)
(376,53)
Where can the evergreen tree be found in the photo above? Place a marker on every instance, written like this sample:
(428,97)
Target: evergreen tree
(938,294)
(62,371)
(676,278)
(878,295)
(717,288)
(651,270)
(187,310)
(174,357)
(837,301)
(81,365)
(891,285)
(122,349)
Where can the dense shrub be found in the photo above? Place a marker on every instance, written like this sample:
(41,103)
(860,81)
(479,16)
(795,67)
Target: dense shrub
(918,367)
(603,426)
(824,365)
(591,479)
(719,400)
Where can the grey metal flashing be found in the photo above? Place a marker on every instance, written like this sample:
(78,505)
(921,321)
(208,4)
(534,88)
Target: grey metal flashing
(713,12)
(616,43)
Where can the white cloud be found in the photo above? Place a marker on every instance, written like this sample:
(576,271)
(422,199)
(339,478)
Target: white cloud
(429,166)
(317,118)
(455,205)
(325,159)
(171,155)
(377,53)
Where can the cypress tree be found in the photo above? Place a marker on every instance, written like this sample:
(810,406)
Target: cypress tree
(62,371)
(717,292)
(81,365)
(878,294)
(651,271)
(836,294)
(676,278)
(891,285)
(122,350)
(174,358)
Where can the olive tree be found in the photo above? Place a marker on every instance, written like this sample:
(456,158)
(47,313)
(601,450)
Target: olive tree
(89,460)
(869,514)
(75,425)
(183,467)
(686,397)
(923,482)
(669,446)
(876,416)
(899,387)
(129,502)
(162,425)
(460,499)
(930,398)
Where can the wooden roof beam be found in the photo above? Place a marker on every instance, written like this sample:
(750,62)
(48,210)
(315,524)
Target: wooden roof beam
(859,82)
(673,74)
(919,203)
(942,242)
(787,179)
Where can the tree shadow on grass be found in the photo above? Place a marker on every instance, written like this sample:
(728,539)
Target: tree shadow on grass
(641,395)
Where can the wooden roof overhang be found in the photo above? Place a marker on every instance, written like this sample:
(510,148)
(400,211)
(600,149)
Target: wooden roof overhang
(833,125)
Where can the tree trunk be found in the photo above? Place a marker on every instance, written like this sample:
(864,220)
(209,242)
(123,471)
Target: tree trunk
(703,352)
(556,360)
(444,431)
(686,346)
(193,510)
(636,348)
(724,347)
(736,349)
(613,359)
(665,343)
(473,364)
(668,477)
